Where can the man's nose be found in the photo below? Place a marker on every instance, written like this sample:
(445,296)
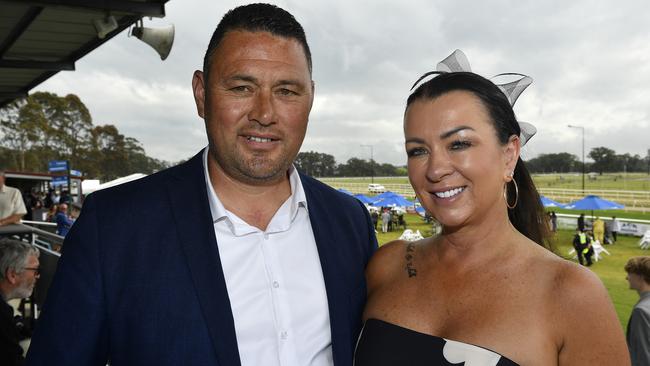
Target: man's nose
(262,110)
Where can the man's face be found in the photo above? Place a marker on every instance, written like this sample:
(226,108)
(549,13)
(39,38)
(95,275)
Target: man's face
(26,280)
(256,104)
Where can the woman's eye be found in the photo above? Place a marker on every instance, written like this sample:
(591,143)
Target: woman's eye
(460,145)
(416,151)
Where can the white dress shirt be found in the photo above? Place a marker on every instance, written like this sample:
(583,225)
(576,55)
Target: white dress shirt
(275,283)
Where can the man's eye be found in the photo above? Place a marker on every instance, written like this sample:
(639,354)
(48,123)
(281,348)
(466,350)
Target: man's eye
(416,151)
(240,88)
(460,145)
(286,92)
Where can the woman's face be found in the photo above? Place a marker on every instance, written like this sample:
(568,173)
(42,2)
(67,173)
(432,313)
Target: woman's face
(456,165)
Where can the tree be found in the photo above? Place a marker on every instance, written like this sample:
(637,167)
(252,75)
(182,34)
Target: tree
(45,126)
(22,124)
(604,159)
(554,163)
(316,164)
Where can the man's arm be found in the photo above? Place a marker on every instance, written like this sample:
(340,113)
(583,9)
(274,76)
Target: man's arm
(639,337)
(72,329)
(11,219)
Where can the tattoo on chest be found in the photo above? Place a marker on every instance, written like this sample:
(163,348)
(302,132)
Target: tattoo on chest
(410,254)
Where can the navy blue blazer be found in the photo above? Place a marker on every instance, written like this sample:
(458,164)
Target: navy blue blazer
(140,280)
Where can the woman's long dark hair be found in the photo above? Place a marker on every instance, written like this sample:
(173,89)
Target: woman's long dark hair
(528,216)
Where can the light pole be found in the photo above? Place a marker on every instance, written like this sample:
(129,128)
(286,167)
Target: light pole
(372,164)
(583,155)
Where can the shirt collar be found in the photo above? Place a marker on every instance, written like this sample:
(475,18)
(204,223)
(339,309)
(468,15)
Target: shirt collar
(219,212)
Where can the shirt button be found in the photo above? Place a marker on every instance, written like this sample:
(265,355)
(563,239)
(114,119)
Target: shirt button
(284,335)
(276,284)
(266,236)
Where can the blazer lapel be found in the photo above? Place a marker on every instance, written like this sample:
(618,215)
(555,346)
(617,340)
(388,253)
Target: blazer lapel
(188,195)
(337,297)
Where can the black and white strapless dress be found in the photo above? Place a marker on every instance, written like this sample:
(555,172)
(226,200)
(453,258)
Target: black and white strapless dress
(386,344)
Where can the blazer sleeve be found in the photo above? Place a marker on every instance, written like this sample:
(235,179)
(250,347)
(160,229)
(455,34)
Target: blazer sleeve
(639,337)
(72,329)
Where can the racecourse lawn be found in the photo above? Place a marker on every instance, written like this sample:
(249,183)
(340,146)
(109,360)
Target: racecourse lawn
(609,181)
(609,269)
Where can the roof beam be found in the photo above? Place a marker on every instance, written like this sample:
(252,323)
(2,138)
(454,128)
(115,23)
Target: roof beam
(19,29)
(149,9)
(38,65)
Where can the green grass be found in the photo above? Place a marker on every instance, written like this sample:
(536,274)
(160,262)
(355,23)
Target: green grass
(610,181)
(606,213)
(609,269)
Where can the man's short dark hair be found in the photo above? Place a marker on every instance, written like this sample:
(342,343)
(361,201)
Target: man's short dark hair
(639,266)
(257,18)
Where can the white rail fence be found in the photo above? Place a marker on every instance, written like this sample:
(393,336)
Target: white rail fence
(635,200)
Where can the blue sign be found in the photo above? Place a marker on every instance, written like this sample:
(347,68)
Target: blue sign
(57,166)
(75,173)
(60,180)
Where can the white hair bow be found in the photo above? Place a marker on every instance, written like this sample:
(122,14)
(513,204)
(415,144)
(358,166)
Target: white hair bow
(457,62)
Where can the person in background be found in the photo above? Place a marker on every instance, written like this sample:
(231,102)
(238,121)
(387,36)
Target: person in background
(553,222)
(51,213)
(638,327)
(63,221)
(385,220)
(12,206)
(581,222)
(615,227)
(374,215)
(19,271)
(582,246)
(599,230)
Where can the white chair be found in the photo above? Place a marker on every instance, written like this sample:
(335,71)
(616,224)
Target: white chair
(409,235)
(598,249)
(645,240)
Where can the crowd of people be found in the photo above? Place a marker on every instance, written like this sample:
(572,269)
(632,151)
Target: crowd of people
(235,258)
(388,218)
(53,206)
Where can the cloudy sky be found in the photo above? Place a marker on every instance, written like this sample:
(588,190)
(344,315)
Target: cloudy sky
(590,61)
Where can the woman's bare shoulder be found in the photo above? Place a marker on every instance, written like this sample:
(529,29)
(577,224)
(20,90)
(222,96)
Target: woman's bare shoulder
(390,261)
(584,317)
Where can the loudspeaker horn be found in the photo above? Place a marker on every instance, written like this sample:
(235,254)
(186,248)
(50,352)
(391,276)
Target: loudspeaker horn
(161,39)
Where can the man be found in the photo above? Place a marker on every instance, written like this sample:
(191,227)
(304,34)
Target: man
(581,222)
(638,328)
(582,246)
(12,207)
(18,275)
(63,221)
(385,220)
(232,258)
(615,227)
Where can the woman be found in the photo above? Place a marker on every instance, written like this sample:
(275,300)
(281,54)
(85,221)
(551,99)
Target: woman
(486,291)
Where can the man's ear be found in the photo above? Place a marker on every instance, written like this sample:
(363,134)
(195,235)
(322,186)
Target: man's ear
(511,154)
(198,87)
(11,276)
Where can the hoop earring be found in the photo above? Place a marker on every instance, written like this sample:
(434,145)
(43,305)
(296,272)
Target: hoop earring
(505,194)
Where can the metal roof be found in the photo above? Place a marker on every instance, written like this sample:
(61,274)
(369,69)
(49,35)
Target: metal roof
(40,38)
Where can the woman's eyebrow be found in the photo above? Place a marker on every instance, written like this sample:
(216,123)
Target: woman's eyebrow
(455,130)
